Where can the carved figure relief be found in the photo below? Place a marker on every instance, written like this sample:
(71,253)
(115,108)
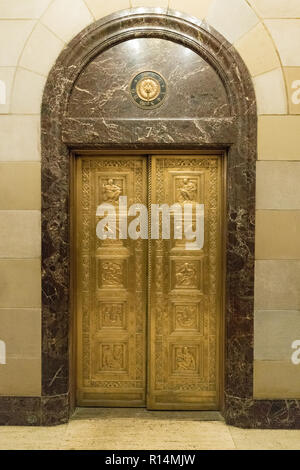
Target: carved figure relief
(184,359)
(187,192)
(112,274)
(112,315)
(186,275)
(186,316)
(112,356)
(111,191)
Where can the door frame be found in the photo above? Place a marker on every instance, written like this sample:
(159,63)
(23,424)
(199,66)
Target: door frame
(74,154)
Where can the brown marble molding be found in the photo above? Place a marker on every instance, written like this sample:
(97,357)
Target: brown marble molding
(86,104)
(34,411)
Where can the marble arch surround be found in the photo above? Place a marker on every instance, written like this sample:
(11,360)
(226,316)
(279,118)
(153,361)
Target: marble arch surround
(236,133)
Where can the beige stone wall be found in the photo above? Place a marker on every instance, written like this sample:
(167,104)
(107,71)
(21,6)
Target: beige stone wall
(267,35)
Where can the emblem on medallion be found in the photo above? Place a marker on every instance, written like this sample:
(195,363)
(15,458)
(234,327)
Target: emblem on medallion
(148,89)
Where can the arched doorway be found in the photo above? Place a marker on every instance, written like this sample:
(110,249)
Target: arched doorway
(209,109)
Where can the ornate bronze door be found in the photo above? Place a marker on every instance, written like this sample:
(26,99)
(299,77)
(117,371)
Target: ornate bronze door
(148,313)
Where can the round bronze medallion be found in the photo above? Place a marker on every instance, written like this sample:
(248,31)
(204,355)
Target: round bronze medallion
(148,89)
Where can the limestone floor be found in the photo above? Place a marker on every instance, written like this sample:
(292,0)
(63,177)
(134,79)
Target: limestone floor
(139,429)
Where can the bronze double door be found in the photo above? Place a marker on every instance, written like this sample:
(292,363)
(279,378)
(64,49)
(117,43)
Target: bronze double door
(148,312)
